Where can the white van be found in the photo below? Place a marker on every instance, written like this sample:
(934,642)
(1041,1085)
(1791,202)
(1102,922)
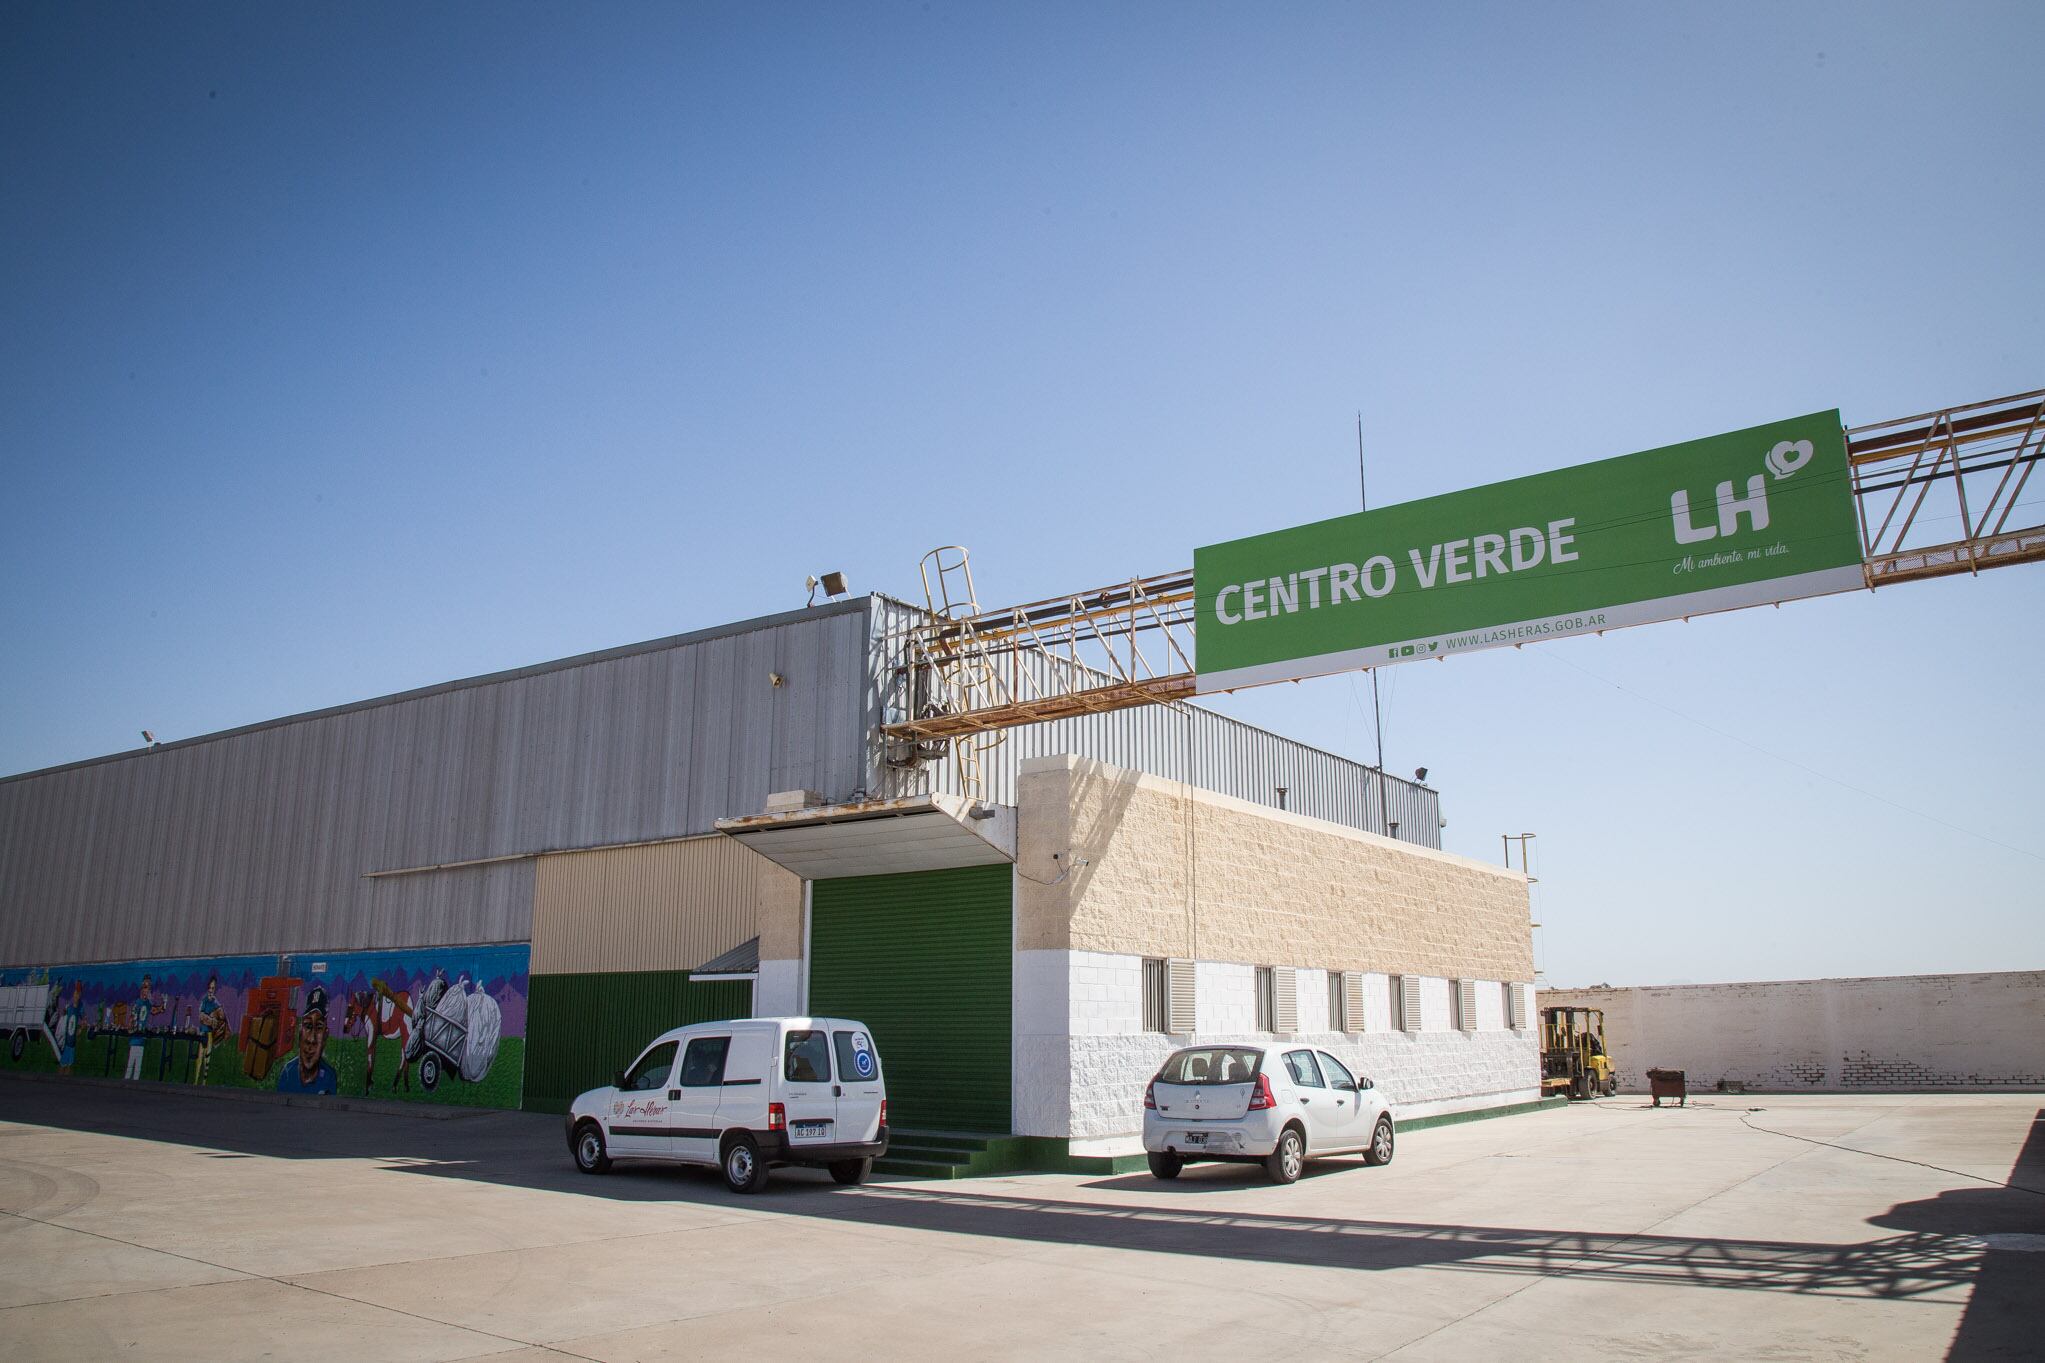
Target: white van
(743,1096)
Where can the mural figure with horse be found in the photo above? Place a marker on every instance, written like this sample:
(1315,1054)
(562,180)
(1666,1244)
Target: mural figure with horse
(381,1011)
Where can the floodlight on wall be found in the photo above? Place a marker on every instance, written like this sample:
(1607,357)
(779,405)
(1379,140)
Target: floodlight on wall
(832,583)
(149,738)
(1420,773)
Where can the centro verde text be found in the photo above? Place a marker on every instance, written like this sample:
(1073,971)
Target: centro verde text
(1450,561)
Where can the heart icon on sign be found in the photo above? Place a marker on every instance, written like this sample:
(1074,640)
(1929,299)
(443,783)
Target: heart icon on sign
(1789,456)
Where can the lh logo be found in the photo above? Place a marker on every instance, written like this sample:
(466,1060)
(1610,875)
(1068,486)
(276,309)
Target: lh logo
(1785,459)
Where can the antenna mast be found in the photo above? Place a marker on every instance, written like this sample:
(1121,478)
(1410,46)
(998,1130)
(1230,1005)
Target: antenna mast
(1376,711)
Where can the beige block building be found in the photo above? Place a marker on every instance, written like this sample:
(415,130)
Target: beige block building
(1412,965)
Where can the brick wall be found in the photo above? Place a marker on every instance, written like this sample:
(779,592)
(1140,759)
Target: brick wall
(1898,1032)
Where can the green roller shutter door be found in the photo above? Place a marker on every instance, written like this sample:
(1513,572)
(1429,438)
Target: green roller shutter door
(924,960)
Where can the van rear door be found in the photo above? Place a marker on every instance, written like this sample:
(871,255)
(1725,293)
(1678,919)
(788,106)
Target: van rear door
(807,1089)
(860,1090)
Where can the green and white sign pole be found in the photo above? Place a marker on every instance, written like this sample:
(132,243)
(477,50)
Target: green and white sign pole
(1744,519)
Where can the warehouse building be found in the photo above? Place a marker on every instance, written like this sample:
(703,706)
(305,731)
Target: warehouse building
(493,891)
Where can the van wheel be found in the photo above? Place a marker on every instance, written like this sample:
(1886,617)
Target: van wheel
(1165,1166)
(850,1171)
(744,1170)
(1380,1151)
(1289,1160)
(590,1155)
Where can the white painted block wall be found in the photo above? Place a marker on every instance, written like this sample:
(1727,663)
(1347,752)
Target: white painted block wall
(1086,1082)
(777,990)
(1895,1033)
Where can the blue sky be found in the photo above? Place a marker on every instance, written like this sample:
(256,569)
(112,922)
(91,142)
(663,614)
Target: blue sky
(355,349)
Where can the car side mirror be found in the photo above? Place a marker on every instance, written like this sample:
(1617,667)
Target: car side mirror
(1363,1084)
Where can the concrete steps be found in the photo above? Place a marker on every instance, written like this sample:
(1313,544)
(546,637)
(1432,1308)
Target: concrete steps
(945,1154)
(967,1154)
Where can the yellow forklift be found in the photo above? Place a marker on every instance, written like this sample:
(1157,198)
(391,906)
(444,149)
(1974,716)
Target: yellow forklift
(1573,1056)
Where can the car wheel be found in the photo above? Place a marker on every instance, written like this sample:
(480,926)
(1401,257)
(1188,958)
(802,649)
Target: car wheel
(1289,1160)
(1165,1166)
(429,1072)
(1380,1151)
(850,1172)
(590,1155)
(744,1170)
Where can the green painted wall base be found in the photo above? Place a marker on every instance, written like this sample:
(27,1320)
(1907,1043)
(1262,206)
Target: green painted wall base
(582,1029)
(1481,1113)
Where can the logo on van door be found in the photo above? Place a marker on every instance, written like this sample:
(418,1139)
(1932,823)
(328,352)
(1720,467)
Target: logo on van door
(862,1055)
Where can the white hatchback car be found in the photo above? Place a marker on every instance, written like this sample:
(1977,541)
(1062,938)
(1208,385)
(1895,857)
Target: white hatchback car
(1278,1106)
(742,1096)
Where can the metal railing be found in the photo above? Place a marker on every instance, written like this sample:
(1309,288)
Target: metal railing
(1937,492)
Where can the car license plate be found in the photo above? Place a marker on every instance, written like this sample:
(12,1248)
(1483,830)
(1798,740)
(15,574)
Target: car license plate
(1196,1138)
(810,1129)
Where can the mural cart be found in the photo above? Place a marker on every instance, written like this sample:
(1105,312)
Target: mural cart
(459,1030)
(25,1013)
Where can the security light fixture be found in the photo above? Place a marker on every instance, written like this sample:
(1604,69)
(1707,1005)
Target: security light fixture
(149,738)
(1420,773)
(832,583)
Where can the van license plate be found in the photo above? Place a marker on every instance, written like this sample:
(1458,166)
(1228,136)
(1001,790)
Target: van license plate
(810,1129)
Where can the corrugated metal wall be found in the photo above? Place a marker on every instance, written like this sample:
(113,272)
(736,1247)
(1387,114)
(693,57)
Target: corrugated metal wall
(258,839)
(671,906)
(1185,743)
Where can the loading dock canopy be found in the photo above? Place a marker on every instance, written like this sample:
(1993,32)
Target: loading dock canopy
(742,962)
(880,837)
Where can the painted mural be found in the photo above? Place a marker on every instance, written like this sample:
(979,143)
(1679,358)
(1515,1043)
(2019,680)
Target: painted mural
(445,1025)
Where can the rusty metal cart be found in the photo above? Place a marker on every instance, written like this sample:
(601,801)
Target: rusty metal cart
(1668,1084)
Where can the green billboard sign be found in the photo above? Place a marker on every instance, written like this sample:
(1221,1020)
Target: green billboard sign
(1744,519)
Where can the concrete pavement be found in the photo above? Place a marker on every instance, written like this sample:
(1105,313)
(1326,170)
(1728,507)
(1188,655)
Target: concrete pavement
(166,1224)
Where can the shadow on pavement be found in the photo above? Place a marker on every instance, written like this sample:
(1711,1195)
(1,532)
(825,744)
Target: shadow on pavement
(1938,1246)
(2005,1316)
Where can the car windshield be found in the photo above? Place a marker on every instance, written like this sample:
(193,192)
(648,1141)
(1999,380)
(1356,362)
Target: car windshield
(1212,1065)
